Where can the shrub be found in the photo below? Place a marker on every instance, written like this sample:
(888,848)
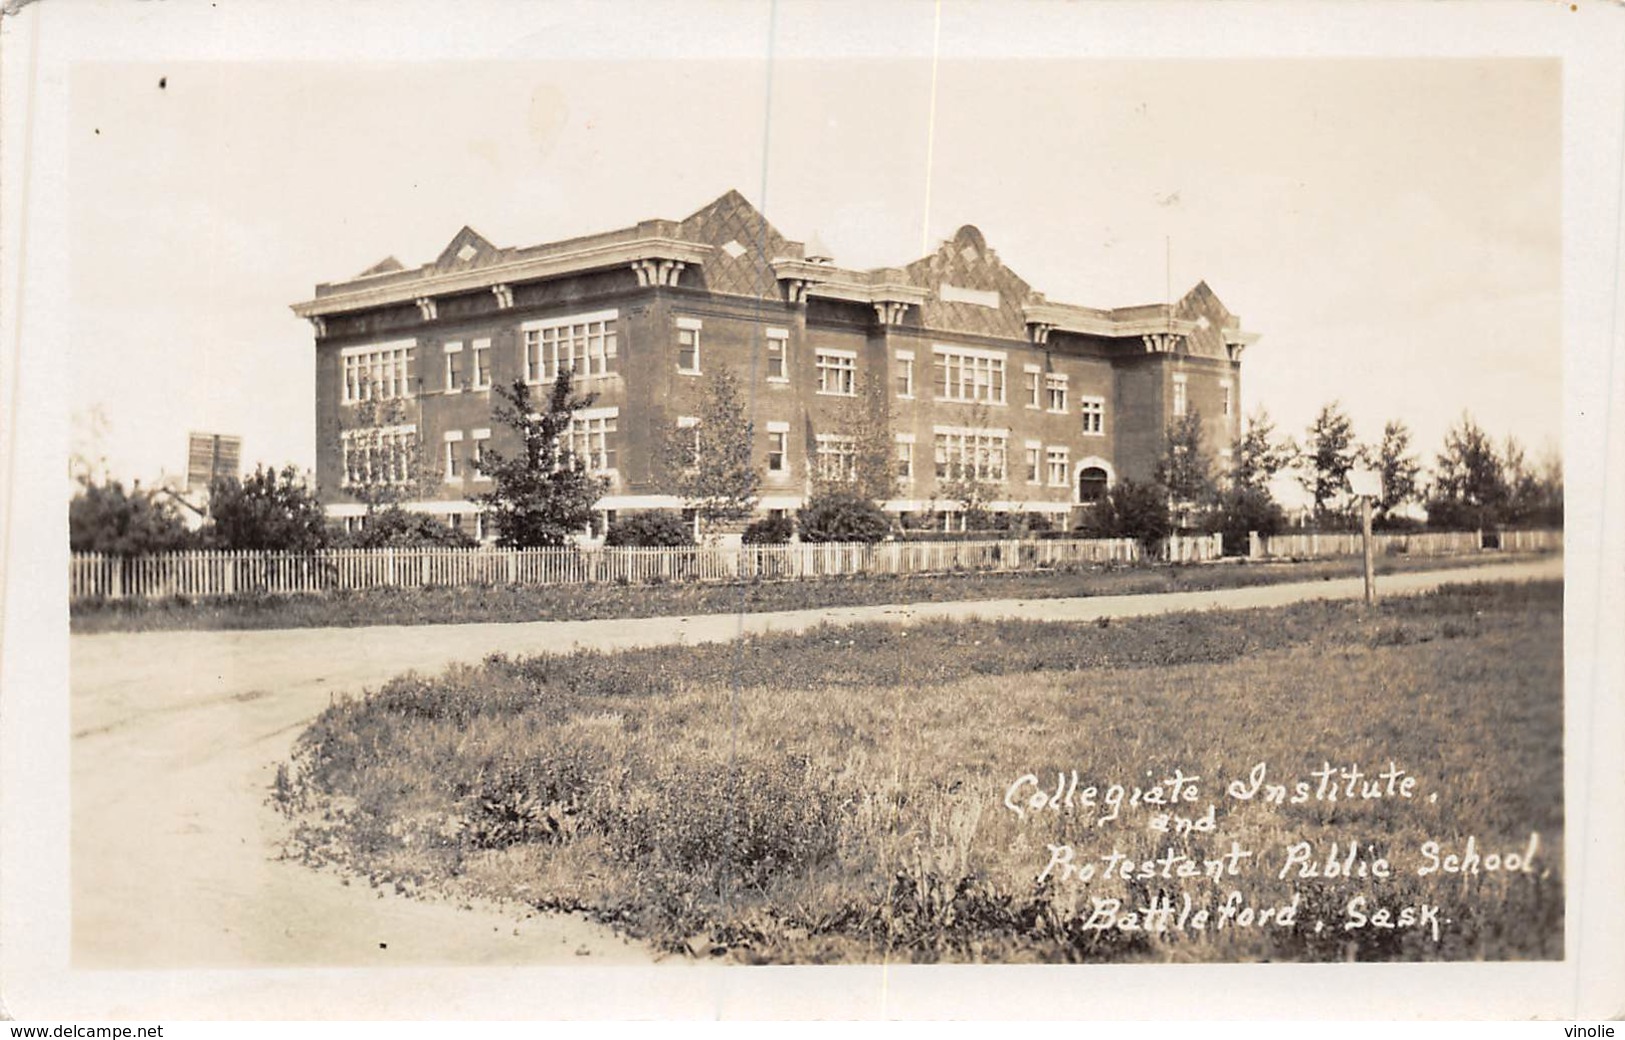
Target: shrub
(655,528)
(1130,510)
(1244,509)
(398,528)
(841,516)
(772,530)
(105,518)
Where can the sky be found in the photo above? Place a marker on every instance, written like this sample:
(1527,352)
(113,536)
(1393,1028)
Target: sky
(1390,227)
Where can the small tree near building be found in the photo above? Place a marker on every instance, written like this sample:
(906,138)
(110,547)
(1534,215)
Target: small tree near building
(867,420)
(1469,485)
(543,495)
(106,518)
(1397,466)
(1329,452)
(1259,454)
(381,454)
(268,511)
(708,464)
(1185,468)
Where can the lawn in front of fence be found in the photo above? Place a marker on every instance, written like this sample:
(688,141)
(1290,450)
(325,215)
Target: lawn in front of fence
(842,795)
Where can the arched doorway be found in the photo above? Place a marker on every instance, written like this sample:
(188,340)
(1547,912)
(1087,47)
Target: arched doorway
(1092,484)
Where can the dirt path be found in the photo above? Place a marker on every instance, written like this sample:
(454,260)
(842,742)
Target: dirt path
(177,735)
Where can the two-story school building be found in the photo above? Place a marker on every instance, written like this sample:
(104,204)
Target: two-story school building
(1048,404)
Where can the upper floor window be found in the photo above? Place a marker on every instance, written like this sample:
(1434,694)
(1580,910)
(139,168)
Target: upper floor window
(964,374)
(837,372)
(905,456)
(1035,453)
(1059,462)
(481,368)
(1034,377)
(580,344)
(1229,398)
(1180,400)
(454,367)
(1055,392)
(477,461)
(970,454)
(375,455)
(379,372)
(778,448)
(688,346)
(903,366)
(1094,415)
(452,463)
(778,355)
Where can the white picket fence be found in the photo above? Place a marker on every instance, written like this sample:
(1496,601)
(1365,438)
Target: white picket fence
(209,574)
(1310,545)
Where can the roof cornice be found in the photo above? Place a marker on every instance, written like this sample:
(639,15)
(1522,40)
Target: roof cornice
(1097,323)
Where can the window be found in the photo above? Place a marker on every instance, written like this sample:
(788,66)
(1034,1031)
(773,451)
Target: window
(581,344)
(454,367)
(1034,376)
(1094,415)
(778,355)
(477,463)
(837,372)
(1055,392)
(378,456)
(688,346)
(903,368)
(778,447)
(379,372)
(482,364)
(1058,465)
(591,433)
(905,456)
(1179,395)
(1035,461)
(482,529)
(837,457)
(970,454)
(453,464)
(1092,484)
(1228,388)
(692,424)
(963,374)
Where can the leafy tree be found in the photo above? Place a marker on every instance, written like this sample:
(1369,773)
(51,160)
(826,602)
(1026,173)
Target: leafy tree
(105,518)
(655,527)
(1241,509)
(544,494)
(1131,509)
(709,466)
(1185,468)
(1469,485)
(1329,452)
(267,511)
(394,527)
(770,530)
(1398,468)
(1259,455)
(867,419)
(382,467)
(842,516)
(977,480)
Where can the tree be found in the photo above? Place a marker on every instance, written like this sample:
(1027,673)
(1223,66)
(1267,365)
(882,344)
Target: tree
(709,465)
(544,494)
(1398,468)
(267,511)
(842,515)
(867,419)
(105,518)
(1259,456)
(1469,484)
(1186,468)
(1329,452)
(1242,509)
(976,474)
(1132,510)
(383,465)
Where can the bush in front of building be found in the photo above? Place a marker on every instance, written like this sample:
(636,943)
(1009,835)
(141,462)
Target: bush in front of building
(842,516)
(1241,509)
(1130,510)
(105,518)
(772,530)
(268,511)
(397,528)
(656,528)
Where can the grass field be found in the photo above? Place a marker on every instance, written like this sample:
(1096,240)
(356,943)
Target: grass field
(843,795)
(438,605)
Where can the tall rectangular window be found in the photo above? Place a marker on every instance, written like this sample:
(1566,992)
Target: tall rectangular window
(1059,459)
(452,465)
(778,448)
(477,461)
(1034,380)
(691,443)
(905,456)
(778,355)
(454,367)
(481,368)
(837,372)
(1094,415)
(1055,392)
(377,372)
(1228,396)
(964,374)
(581,344)
(1035,462)
(903,367)
(837,458)
(1179,394)
(688,346)
(378,456)
(592,435)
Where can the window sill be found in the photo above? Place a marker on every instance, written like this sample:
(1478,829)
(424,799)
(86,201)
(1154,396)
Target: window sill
(837,393)
(778,379)
(689,372)
(448,393)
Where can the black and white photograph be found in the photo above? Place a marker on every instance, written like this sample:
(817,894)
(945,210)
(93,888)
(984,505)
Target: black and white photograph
(792,510)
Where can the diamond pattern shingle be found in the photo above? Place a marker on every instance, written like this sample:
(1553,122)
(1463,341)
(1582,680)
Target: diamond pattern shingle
(743,271)
(966,262)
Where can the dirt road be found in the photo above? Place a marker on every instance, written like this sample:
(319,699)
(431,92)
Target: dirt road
(177,735)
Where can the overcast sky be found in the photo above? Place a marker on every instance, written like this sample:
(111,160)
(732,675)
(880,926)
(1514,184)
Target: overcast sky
(1390,227)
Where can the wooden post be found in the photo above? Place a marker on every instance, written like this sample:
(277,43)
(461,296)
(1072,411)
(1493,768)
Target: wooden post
(1365,542)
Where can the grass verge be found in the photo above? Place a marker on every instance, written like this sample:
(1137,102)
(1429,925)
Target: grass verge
(841,795)
(503,603)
